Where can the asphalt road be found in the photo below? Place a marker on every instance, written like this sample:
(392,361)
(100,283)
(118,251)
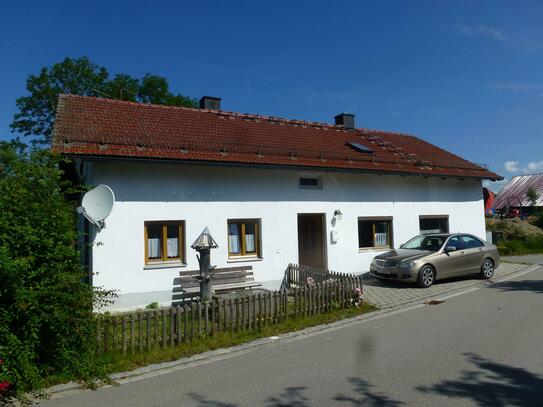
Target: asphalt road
(482,348)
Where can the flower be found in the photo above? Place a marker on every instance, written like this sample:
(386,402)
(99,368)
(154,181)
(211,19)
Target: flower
(4,385)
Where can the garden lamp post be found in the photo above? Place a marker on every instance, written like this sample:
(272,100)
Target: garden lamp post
(203,246)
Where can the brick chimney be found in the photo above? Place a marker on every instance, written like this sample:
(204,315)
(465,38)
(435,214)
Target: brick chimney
(345,119)
(210,102)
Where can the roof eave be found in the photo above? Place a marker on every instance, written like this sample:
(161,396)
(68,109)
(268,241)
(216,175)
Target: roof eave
(93,157)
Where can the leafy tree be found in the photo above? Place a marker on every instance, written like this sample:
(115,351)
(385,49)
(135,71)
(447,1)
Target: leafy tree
(46,308)
(532,196)
(36,111)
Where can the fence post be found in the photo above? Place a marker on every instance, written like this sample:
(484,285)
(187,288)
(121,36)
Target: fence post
(192,320)
(114,334)
(236,308)
(155,328)
(140,331)
(219,315)
(132,334)
(124,334)
(206,317)
(243,313)
(178,325)
(253,317)
(172,325)
(213,315)
(185,323)
(250,314)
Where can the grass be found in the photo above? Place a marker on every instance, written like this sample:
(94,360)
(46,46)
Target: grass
(513,247)
(116,362)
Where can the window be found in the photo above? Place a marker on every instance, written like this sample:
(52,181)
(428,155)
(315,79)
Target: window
(471,242)
(310,182)
(456,242)
(431,243)
(376,232)
(164,241)
(243,237)
(434,224)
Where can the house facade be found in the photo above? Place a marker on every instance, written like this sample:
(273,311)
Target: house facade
(271,191)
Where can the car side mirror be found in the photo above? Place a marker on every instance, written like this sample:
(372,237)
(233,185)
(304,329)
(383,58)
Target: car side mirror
(449,249)
(401,246)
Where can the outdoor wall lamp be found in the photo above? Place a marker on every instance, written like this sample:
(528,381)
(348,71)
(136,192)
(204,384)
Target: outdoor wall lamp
(337,214)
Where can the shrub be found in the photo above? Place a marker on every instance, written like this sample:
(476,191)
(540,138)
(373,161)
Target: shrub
(518,247)
(46,308)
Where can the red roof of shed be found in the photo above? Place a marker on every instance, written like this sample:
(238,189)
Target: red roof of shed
(97,127)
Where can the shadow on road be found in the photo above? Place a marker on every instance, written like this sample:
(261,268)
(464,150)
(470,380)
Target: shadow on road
(202,401)
(535,286)
(362,395)
(492,384)
(366,397)
(291,396)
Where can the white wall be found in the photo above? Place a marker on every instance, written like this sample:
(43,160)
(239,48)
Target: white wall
(208,196)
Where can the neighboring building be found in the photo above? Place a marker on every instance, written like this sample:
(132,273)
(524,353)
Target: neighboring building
(272,191)
(514,194)
(488,197)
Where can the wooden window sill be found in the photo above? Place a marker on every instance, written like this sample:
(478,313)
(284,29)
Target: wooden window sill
(241,259)
(164,265)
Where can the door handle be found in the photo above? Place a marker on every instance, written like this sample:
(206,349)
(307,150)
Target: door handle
(462,252)
(480,249)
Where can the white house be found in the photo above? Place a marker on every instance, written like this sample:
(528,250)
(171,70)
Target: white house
(271,191)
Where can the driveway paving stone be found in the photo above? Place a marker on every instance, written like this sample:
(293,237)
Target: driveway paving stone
(387,294)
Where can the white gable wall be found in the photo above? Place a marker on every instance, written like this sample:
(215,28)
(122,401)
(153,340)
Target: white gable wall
(209,195)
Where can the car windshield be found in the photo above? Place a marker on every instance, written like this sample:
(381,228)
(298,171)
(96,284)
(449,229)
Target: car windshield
(426,242)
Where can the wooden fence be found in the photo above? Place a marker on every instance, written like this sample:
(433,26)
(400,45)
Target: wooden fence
(299,275)
(146,329)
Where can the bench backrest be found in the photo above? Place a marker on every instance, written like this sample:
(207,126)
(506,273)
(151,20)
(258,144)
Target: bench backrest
(225,275)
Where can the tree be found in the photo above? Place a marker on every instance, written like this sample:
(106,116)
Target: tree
(532,196)
(46,308)
(36,111)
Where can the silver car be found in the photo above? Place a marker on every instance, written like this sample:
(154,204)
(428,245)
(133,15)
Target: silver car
(427,258)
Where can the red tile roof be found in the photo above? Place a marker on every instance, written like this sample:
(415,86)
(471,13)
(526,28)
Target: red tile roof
(96,127)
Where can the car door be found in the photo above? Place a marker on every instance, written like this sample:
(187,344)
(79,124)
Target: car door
(453,263)
(474,251)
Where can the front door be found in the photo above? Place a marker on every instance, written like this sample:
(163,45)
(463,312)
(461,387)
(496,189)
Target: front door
(311,240)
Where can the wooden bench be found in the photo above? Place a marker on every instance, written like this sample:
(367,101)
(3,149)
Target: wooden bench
(223,280)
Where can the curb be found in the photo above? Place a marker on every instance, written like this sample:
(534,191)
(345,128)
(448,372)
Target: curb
(222,353)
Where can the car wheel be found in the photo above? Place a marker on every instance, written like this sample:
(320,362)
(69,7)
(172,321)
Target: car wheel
(487,269)
(426,276)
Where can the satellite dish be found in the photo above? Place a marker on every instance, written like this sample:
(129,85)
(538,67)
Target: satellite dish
(97,204)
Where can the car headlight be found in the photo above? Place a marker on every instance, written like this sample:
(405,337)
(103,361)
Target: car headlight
(408,265)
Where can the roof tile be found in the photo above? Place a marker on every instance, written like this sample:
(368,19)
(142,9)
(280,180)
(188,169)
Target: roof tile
(90,126)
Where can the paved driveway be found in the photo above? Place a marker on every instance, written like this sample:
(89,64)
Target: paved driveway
(390,294)
(528,259)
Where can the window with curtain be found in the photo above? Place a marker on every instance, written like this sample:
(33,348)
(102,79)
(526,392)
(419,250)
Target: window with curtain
(374,233)
(243,237)
(164,241)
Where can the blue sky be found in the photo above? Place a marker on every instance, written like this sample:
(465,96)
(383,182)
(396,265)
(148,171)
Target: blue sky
(465,75)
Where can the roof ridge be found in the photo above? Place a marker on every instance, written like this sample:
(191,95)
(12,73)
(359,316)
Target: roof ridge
(240,115)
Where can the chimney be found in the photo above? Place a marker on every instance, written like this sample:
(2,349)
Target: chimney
(345,119)
(210,102)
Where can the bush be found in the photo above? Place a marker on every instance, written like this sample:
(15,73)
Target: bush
(46,308)
(529,245)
